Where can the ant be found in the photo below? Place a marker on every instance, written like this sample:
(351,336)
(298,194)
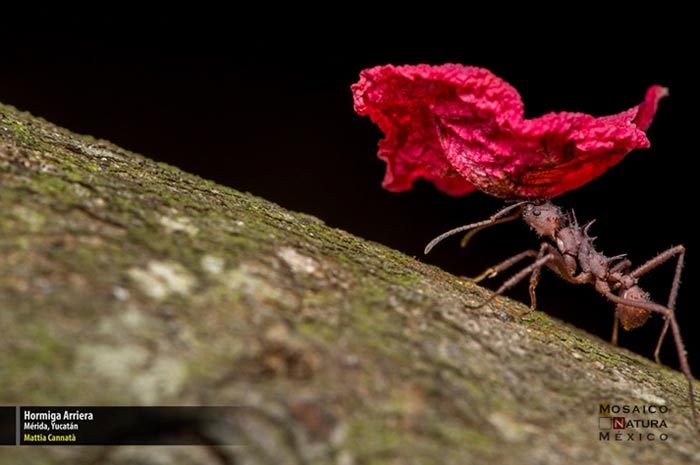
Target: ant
(572,256)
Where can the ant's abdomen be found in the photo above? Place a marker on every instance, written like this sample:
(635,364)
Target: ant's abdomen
(630,316)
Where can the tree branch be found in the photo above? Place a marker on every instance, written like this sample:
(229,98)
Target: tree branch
(127,282)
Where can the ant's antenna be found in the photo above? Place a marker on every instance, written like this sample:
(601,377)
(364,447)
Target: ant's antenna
(468,237)
(496,218)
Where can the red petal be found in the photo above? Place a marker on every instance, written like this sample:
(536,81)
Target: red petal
(462,128)
(404,101)
(647,108)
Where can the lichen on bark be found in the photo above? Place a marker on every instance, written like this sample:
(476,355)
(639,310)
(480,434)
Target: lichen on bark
(128,282)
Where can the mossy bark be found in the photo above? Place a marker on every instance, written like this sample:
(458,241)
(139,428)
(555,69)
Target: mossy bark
(128,282)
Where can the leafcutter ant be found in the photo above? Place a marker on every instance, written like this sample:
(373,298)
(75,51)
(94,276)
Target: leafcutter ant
(571,255)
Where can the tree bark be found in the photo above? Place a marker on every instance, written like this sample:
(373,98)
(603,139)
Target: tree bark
(128,282)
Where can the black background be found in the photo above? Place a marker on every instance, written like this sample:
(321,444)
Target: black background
(261,103)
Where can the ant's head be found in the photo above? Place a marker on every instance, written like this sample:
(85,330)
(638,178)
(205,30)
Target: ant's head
(544,217)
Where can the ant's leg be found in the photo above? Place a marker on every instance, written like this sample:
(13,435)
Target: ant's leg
(515,279)
(616,325)
(491,272)
(659,259)
(555,262)
(678,250)
(535,277)
(675,330)
(620,266)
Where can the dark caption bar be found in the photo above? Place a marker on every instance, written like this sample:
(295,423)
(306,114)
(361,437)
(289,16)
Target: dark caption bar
(8,436)
(61,425)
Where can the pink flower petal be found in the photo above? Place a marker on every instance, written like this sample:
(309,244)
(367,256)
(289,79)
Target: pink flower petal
(462,128)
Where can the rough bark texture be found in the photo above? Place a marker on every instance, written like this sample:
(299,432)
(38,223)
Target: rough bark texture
(128,282)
